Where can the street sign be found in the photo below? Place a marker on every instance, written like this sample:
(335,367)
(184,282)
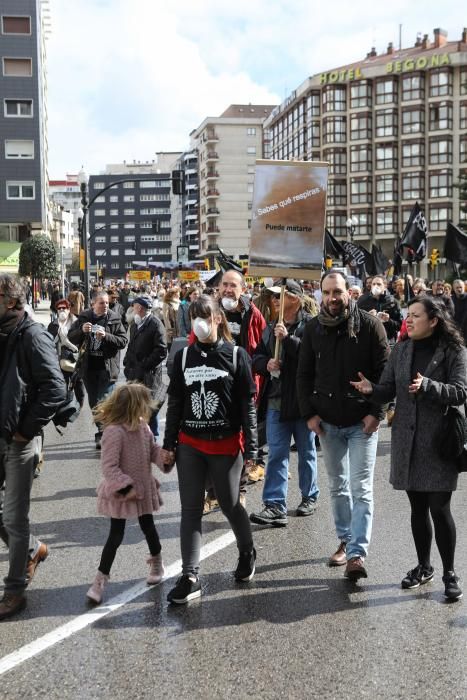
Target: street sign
(140,275)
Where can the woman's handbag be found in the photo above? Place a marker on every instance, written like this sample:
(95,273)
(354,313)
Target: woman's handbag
(451,439)
(68,359)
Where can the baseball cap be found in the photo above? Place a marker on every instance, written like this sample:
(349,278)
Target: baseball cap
(143,301)
(291,286)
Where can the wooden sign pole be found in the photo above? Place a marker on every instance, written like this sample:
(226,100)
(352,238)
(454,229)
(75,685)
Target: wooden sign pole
(281,317)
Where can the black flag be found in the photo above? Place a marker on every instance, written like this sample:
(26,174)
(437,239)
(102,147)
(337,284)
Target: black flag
(397,258)
(455,245)
(380,261)
(359,256)
(332,247)
(415,233)
(226,262)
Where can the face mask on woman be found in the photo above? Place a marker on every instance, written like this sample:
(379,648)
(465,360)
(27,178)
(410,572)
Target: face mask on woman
(202,328)
(228,303)
(62,316)
(376,290)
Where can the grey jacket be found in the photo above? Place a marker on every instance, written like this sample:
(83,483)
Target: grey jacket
(415,465)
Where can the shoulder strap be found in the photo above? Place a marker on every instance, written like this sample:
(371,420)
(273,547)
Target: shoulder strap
(185,353)
(234,358)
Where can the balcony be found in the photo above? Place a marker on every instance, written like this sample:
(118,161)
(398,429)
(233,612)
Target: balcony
(212,155)
(213,231)
(212,248)
(212,193)
(210,136)
(213,211)
(212,175)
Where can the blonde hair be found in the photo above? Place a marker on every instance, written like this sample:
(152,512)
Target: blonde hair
(127,404)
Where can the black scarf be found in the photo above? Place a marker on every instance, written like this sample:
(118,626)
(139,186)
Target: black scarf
(8,323)
(350,315)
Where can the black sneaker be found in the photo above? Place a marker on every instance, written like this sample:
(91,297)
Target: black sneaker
(185,589)
(246,566)
(270,515)
(452,590)
(307,506)
(418,576)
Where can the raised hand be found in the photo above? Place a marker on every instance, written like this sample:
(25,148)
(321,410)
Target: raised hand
(364,386)
(416,384)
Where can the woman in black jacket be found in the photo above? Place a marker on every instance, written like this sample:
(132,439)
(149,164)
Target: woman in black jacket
(210,412)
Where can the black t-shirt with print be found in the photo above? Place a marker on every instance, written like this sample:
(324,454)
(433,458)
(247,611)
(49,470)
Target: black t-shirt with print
(234,319)
(211,393)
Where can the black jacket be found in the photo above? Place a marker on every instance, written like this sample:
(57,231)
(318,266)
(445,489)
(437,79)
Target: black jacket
(289,359)
(146,350)
(114,341)
(386,303)
(460,313)
(329,359)
(31,379)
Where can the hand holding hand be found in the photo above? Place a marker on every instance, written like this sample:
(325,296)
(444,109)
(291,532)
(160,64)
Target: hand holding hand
(416,384)
(280,331)
(363,386)
(314,424)
(370,424)
(168,459)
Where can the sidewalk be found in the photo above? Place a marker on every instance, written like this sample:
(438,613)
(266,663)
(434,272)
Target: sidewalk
(42,312)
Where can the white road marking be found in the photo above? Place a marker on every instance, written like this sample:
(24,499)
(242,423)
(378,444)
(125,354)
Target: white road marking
(57,635)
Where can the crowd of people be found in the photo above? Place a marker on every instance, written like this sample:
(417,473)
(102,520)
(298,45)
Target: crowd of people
(256,371)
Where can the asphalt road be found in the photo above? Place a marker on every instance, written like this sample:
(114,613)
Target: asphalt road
(298,630)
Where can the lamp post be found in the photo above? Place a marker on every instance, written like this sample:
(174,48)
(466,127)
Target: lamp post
(83,179)
(351,225)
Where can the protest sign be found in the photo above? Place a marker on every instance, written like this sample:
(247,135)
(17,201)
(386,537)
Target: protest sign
(289,211)
(140,275)
(189,275)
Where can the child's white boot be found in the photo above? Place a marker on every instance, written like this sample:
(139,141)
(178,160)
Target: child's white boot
(156,569)
(97,589)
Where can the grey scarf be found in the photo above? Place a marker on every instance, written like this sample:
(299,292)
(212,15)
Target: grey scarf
(350,314)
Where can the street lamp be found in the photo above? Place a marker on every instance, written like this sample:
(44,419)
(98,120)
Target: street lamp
(351,225)
(83,179)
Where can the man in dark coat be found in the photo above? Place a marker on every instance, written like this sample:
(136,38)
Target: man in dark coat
(378,302)
(147,349)
(278,403)
(459,299)
(32,388)
(340,342)
(102,331)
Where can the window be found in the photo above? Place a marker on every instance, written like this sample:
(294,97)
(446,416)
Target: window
(413,154)
(128,185)
(113,198)
(129,198)
(99,239)
(334,99)
(364,218)
(336,222)
(20,190)
(164,224)
(439,217)
(100,252)
(249,188)
(145,224)
(114,226)
(386,91)
(337,158)
(99,212)
(463,150)
(335,130)
(19,149)
(129,212)
(360,126)
(115,266)
(251,131)
(154,183)
(17,108)
(148,239)
(17,67)
(386,157)
(463,81)
(130,224)
(313,105)
(440,116)
(360,94)
(360,191)
(149,251)
(114,251)
(413,87)
(360,158)
(154,198)
(313,135)
(386,123)
(337,193)
(440,151)
(100,199)
(413,186)
(413,121)
(129,251)
(114,239)
(386,221)
(440,83)
(251,150)
(16,25)
(386,188)
(98,185)
(153,210)
(463,115)
(113,212)
(129,239)
(441,184)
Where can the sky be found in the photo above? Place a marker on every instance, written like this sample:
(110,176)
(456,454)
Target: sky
(128,78)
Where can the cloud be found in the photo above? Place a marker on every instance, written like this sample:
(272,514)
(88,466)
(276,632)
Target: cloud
(129,79)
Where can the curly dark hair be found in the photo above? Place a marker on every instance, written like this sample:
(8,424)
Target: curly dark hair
(446,329)
(13,287)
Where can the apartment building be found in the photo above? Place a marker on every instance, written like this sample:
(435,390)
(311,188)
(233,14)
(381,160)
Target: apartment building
(23,125)
(185,208)
(228,147)
(394,130)
(131,221)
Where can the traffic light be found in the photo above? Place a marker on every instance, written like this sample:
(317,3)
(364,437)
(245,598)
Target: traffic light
(434,255)
(328,262)
(178,181)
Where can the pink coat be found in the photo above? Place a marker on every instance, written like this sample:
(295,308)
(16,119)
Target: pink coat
(126,459)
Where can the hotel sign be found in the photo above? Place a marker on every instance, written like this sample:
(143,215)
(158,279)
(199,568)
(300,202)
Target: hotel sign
(421,63)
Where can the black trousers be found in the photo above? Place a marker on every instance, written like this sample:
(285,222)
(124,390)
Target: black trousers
(115,539)
(436,504)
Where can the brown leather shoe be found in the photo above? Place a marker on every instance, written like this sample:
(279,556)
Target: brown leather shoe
(355,569)
(41,554)
(10,604)
(338,558)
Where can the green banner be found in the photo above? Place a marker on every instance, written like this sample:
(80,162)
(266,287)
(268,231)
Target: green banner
(9,254)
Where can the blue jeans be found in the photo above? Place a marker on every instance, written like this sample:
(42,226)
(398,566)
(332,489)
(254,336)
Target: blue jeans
(349,456)
(279,434)
(98,386)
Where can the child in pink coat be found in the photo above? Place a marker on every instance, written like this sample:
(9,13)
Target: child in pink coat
(128,488)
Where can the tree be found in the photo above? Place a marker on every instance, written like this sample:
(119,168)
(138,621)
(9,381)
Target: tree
(38,257)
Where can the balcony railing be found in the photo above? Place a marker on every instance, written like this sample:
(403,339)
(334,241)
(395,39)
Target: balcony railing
(212,193)
(211,136)
(212,155)
(213,230)
(213,211)
(211,174)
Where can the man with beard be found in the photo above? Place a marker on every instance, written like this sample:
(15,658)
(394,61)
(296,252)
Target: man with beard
(32,389)
(339,344)
(105,336)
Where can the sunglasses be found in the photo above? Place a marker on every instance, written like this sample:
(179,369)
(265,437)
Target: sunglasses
(62,308)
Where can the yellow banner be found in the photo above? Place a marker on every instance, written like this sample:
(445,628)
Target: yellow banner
(81,259)
(140,275)
(189,275)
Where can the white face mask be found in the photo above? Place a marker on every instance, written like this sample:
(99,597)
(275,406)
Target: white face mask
(229,304)
(62,315)
(202,328)
(137,319)
(376,290)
